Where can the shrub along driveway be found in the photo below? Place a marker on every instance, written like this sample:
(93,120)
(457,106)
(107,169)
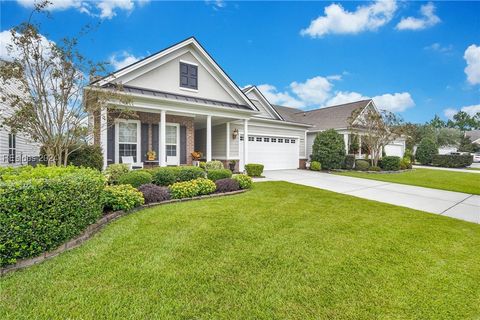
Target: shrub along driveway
(281,251)
(453,204)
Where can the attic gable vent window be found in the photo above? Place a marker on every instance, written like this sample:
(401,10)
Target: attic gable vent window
(188,76)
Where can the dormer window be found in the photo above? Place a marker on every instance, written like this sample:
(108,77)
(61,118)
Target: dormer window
(188,76)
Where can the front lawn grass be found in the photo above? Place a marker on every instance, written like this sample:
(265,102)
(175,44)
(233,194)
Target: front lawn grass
(429,178)
(280,251)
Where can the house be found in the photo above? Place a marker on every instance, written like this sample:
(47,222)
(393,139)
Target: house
(474,136)
(337,117)
(16,149)
(183,101)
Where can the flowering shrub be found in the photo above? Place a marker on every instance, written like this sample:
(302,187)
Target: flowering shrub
(114,171)
(121,197)
(244,181)
(189,189)
(205,186)
(153,193)
(227,185)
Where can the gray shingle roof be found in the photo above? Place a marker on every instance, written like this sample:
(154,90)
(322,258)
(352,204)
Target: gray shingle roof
(181,97)
(473,135)
(334,117)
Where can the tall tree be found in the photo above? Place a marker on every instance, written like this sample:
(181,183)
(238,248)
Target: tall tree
(48,80)
(437,123)
(463,121)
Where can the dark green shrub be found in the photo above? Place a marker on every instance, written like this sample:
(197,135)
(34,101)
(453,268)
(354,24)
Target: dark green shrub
(153,193)
(362,165)
(202,164)
(409,154)
(452,160)
(243,180)
(254,169)
(374,168)
(390,163)
(114,171)
(135,178)
(164,176)
(349,162)
(425,151)
(214,165)
(215,175)
(121,197)
(41,208)
(88,156)
(329,149)
(227,185)
(187,173)
(205,186)
(315,166)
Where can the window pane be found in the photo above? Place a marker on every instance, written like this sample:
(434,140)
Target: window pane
(171,135)
(127,132)
(126,150)
(171,150)
(259,139)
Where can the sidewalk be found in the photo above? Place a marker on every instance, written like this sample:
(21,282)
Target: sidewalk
(445,169)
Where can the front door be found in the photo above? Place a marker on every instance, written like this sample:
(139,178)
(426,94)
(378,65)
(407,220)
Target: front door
(172,140)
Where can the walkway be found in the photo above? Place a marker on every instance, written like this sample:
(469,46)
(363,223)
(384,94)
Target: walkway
(457,205)
(448,169)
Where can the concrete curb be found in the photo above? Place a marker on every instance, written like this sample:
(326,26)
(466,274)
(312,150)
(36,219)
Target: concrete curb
(96,227)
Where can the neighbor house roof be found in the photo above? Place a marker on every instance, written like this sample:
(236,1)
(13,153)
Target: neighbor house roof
(334,117)
(474,135)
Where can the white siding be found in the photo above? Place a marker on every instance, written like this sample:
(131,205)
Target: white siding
(219,142)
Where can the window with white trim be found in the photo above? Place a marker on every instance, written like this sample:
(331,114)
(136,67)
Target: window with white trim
(12,148)
(292,141)
(280,140)
(128,139)
(259,139)
(287,141)
(251,139)
(266,139)
(274,139)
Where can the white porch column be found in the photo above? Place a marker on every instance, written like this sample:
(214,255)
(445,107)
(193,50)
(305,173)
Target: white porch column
(345,140)
(103,135)
(209,138)
(359,146)
(162,149)
(227,147)
(245,142)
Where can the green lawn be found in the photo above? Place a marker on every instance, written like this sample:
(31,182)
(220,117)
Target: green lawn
(280,251)
(430,178)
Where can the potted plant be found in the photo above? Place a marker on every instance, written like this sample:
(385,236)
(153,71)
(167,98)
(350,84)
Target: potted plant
(196,155)
(151,155)
(232,164)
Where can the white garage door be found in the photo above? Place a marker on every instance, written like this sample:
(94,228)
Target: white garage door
(273,152)
(394,150)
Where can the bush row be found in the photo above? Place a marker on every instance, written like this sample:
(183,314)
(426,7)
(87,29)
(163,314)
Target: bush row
(452,160)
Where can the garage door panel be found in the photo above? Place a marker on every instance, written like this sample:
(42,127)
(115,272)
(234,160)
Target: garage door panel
(273,154)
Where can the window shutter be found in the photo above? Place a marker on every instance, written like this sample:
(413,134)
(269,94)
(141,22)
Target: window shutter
(188,76)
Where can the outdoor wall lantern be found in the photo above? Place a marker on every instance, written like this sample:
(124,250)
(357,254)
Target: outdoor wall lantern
(235,133)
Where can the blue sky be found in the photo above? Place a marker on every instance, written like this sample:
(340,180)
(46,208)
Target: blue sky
(415,58)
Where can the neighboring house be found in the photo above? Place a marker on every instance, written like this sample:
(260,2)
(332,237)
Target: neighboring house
(15,148)
(474,136)
(337,117)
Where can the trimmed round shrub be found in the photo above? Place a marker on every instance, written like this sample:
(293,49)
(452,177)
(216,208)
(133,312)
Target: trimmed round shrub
(121,197)
(329,149)
(214,165)
(164,176)
(390,163)
(374,168)
(42,207)
(135,178)
(425,151)
(362,165)
(153,193)
(215,175)
(254,169)
(205,186)
(349,162)
(244,181)
(227,185)
(315,166)
(187,173)
(405,163)
(185,189)
(88,156)
(114,171)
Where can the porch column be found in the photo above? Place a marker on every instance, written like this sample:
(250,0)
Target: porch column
(360,146)
(345,140)
(103,135)
(227,147)
(245,142)
(162,150)
(209,138)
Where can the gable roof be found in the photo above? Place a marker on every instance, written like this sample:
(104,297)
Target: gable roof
(474,135)
(270,109)
(189,41)
(333,117)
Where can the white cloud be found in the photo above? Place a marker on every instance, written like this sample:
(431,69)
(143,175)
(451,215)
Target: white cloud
(6,42)
(471,110)
(216,4)
(472,57)
(336,20)
(105,9)
(319,92)
(437,47)
(122,59)
(428,19)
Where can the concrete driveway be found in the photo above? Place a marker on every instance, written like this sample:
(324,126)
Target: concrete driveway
(448,203)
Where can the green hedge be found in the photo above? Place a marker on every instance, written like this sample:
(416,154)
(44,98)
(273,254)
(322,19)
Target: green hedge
(114,171)
(452,160)
(121,197)
(254,169)
(135,178)
(41,208)
(425,151)
(390,163)
(88,156)
(166,176)
(349,162)
(362,165)
(215,175)
(329,149)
